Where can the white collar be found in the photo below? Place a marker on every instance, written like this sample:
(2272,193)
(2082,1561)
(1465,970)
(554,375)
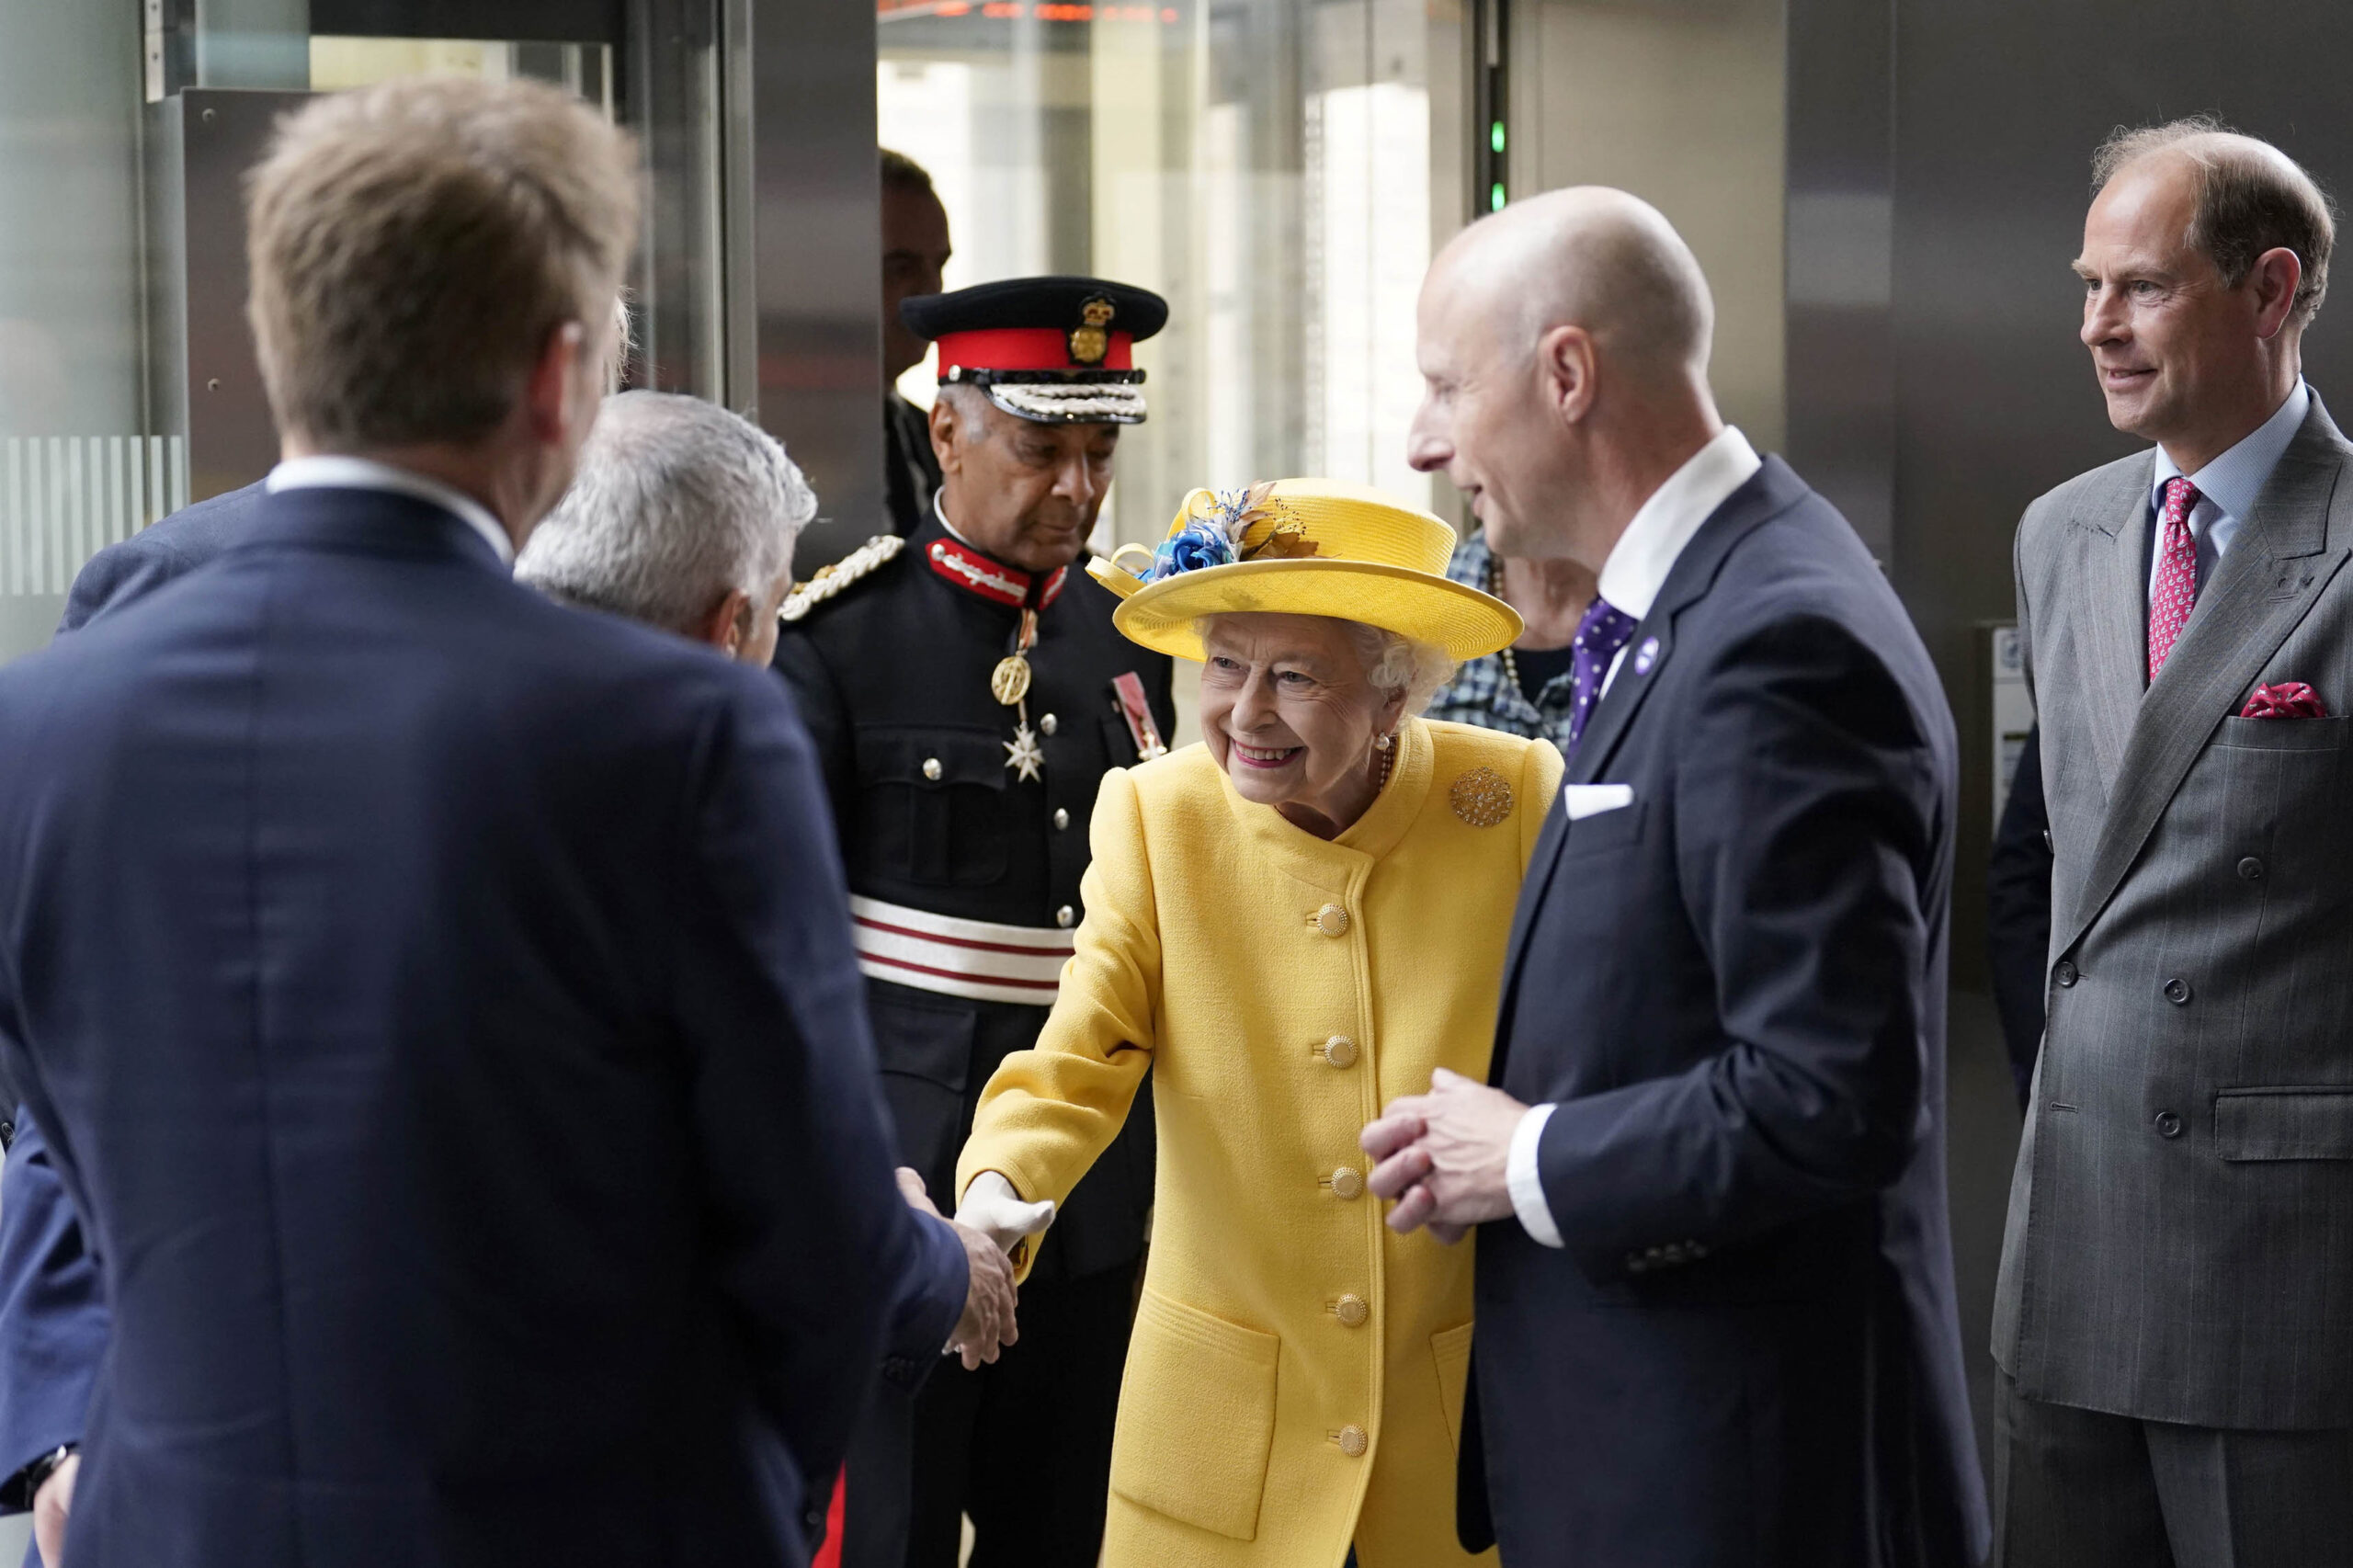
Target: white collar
(1647,552)
(940,510)
(335,471)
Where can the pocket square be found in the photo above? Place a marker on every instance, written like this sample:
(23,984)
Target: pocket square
(2289,699)
(1591,800)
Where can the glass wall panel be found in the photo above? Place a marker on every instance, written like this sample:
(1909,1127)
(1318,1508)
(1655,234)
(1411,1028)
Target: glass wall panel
(1266,164)
(126,383)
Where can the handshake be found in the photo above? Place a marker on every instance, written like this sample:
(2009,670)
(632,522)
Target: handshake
(990,1220)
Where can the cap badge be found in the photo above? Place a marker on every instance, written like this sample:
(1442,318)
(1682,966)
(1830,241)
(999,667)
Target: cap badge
(1482,797)
(1092,340)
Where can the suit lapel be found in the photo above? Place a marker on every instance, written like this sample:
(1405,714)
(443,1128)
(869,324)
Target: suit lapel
(2118,636)
(2274,571)
(1772,489)
(1541,863)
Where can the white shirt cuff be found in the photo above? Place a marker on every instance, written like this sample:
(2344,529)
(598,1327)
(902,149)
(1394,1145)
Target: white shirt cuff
(1525,1182)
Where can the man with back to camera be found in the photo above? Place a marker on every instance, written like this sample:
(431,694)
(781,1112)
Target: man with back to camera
(915,249)
(1716,1319)
(52,1308)
(341,938)
(966,693)
(2174,1381)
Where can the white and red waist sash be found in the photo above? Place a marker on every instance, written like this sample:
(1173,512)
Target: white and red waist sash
(974,959)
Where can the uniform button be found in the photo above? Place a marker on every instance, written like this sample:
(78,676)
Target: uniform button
(1351,1311)
(2178,991)
(1065,917)
(2049,847)
(1332,920)
(931,768)
(1061,818)
(2066,973)
(1340,1050)
(1353,1442)
(1049,724)
(1348,1181)
(2251,869)
(2168,1124)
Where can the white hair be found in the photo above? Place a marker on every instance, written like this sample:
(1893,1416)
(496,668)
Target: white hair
(678,503)
(1394,664)
(1397,665)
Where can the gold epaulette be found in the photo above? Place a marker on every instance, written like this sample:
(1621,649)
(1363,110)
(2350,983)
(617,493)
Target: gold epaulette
(830,580)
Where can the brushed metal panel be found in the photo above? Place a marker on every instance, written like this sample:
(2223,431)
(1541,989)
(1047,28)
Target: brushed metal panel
(817,230)
(205,370)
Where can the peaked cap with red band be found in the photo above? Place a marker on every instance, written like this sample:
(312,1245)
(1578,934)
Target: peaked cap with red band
(1058,350)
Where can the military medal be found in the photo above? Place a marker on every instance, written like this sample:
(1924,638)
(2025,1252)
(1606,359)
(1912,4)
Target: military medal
(1009,683)
(1021,753)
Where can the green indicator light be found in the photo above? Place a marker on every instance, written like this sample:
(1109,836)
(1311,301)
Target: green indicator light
(1495,198)
(1495,136)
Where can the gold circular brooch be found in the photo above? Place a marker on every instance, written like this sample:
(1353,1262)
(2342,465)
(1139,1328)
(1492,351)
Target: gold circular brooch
(1482,797)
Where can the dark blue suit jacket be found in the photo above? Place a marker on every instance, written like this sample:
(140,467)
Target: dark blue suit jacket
(441,1008)
(1748,1351)
(52,1312)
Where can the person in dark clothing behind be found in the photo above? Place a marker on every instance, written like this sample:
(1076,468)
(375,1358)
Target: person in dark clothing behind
(914,251)
(2017,913)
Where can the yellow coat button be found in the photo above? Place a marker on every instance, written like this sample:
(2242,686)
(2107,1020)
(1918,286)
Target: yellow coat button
(1340,1050)
(1332,920)
(1348,1181)
(931,768)
(1351,1311)
(1353,1442)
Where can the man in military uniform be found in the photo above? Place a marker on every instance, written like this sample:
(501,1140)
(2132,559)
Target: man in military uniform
(966,693)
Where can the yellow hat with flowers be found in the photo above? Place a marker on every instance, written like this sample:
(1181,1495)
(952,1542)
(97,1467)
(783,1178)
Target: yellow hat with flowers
(1302,547)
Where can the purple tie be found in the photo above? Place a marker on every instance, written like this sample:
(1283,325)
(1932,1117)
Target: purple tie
(1600,634)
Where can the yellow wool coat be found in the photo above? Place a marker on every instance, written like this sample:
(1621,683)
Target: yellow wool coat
(1295,1380)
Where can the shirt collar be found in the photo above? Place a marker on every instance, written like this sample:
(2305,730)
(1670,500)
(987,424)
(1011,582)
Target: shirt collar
(1647,552)
(335,471)
(2234,480)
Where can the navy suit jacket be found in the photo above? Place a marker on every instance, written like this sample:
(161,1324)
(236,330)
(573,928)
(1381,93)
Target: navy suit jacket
(442,1010)
(1733,990)
(52,1312)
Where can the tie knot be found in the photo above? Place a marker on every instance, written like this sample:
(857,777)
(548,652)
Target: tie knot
(2181,497)
(1603,630)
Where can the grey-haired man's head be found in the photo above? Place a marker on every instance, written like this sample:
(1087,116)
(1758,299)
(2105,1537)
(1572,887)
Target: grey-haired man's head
(683,516)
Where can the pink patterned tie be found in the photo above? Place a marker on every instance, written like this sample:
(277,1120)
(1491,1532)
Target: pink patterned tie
(2175,589)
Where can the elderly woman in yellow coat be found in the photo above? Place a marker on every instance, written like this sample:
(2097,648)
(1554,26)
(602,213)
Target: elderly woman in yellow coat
(1289,923)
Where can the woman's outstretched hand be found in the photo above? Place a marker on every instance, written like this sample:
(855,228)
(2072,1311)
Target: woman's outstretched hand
(994,1209)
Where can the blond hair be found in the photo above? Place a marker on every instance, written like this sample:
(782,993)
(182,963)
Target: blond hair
(413,244)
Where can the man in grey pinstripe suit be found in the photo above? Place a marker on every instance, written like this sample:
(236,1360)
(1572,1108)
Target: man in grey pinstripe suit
(2174,1317)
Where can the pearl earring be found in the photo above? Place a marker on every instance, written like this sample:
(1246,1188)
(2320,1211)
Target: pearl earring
(1381,743)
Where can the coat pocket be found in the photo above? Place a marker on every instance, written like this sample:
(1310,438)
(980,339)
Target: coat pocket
(2283,734)
(1197,1417)
(2284,1124)
(1450,1348)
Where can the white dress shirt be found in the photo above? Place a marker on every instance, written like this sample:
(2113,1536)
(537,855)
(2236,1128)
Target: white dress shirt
(333,472)
(1630,579)
(2227,486)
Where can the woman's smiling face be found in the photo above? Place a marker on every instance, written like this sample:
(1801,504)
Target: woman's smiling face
(1289,713)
